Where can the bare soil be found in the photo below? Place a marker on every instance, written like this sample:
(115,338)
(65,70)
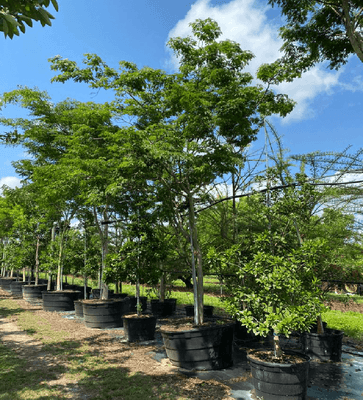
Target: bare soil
(269,356)
(350,305)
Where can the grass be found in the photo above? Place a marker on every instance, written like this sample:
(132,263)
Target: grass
(345,298)
(349,322)
(19,381)
(87,370)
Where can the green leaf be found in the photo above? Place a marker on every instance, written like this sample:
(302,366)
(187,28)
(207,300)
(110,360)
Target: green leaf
(55,5)
(45,17)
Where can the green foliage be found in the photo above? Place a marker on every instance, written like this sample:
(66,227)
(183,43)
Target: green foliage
(139,257)
(14,14)
(277,289)
(316,31)
(187,128)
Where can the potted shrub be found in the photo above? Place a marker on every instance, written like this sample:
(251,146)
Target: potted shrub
(278,293)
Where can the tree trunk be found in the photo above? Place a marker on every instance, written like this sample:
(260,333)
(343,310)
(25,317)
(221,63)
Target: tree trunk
(60,265)
(162,287)
(85,286)
(356,40)
(37,261)
(104,287)
(320,327)
(277,349)
(197,264)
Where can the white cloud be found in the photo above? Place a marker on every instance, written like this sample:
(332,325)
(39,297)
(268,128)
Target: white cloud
(304,90)
(11,181)
(246,22)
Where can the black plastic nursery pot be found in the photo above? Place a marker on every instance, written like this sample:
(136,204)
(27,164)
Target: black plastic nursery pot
(6,282)
(16,288)
(325,347)
(33,293)
(133,303)
(161,308)
(78,308)
(62,300)
(80,289)
(207,311)
(139,328)
(104,314)
(119,296)
(173,302)
(95,293)
(200,348)
(275,381)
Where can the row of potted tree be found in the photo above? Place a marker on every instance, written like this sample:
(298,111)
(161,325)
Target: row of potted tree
(135,173)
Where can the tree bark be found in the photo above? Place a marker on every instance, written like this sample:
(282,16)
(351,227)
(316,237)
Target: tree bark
(197,264)
(37,261)
(356,40)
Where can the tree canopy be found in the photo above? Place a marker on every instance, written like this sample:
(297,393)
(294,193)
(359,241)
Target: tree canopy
(14,14)
(318,30)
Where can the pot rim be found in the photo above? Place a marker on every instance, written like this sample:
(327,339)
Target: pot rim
(93,302)
(276,364)
(39,284)
(141,317)
(327,332)
(59,291)
(196,328)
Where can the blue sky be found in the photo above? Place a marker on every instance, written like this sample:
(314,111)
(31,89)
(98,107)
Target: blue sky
(328,115)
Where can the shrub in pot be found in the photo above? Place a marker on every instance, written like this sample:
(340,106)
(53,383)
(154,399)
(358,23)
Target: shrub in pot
(278,292)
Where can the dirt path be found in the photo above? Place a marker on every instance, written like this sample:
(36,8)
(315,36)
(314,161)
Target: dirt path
(105,344)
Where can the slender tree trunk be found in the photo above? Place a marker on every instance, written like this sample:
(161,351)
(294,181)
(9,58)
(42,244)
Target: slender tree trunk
(104,287)
(138,308)
(234,210)
(37,261)
(162,287)
(104,251)
(49,286)
(277,349)
(60,265)
(197,264)
(320,327)
(85,286)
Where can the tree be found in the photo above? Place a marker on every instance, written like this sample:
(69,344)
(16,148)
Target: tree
(189,124)
(30,224)
(139,258)
(14,14)
(318,30)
